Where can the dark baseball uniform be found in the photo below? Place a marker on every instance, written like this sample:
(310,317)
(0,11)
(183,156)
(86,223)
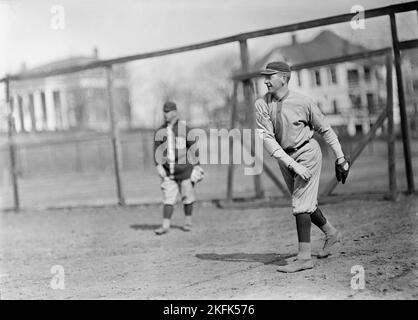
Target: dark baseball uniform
(170,149)
(287,124)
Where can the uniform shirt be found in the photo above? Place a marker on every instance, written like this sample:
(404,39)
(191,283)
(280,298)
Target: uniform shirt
(288,122)
(171,146)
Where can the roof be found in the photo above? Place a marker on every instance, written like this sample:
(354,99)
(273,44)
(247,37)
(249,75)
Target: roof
(325,45)
(61,64)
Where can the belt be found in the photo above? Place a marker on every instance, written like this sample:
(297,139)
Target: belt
(290,150)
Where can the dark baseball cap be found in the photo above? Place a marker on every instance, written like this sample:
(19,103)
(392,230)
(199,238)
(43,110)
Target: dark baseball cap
(276,67)
(169,106)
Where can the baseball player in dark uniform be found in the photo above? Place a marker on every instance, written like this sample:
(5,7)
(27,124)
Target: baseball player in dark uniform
(178,169)
(286,121)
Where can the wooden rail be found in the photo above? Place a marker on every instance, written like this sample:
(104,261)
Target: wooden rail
(372,13)
(242,39)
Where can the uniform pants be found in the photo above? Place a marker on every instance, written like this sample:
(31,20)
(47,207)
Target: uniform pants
(304,193)
(172,188)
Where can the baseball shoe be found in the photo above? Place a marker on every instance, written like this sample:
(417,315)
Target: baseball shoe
(296,265)
(187,227)
(330,244)
(291,259)
(160,231)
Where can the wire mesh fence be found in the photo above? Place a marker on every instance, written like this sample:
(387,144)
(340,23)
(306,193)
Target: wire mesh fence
(65,147)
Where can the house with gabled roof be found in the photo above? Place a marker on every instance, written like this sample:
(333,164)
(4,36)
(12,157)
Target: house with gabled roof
(351,94)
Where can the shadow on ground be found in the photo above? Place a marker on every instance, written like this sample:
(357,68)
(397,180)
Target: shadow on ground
(147,227)
(265,258)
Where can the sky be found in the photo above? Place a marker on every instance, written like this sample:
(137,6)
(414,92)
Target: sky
(125,27)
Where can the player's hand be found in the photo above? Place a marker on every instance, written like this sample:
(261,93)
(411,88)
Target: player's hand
(197,174)
(342,167)
(301,170)
(161,171)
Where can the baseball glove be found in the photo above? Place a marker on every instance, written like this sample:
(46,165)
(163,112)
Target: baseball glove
(197,174)
(341,170)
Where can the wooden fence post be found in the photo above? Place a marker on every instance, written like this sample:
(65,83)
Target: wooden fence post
(117,157)
(245,64)
(391,136)
(12,148)
(402,106)
(230,177)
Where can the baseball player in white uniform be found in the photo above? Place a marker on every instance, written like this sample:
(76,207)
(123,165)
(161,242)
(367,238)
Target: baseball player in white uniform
(286,121)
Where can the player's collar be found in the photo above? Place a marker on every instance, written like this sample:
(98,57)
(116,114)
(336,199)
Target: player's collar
(167,123)
(274,96)
(284,97)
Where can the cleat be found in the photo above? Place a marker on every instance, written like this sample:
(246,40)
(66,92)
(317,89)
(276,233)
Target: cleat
(297,265)
(291,259)
(161,231)
(330,245)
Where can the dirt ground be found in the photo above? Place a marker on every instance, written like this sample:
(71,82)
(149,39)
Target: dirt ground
(112,253)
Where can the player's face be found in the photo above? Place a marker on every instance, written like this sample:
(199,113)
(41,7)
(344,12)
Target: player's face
(274,82)
(170,115)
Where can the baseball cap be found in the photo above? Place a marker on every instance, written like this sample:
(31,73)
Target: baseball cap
(169,106)
(276,67)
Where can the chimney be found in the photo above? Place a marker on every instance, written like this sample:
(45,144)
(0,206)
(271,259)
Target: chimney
(294,39)
(95,53)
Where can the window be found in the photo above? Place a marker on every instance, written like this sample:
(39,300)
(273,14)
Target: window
(353,76)
(415,85)
(299,78)
(335,106)
(332,75)
(355,101)
(378,75)
(370,103)
(367,74)
(316,78)
(381,101)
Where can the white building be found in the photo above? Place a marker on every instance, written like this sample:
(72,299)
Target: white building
(76,100)
(352,94)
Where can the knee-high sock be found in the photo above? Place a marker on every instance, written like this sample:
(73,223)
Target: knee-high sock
(318,218)
(321,222)
(188,210)
(303,226)
(168,210)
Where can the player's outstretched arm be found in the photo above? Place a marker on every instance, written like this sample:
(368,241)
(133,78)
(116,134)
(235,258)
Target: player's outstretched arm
(321,125)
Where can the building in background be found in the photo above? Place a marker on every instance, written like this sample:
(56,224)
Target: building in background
(74,101)
(351,94)
(410,74)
